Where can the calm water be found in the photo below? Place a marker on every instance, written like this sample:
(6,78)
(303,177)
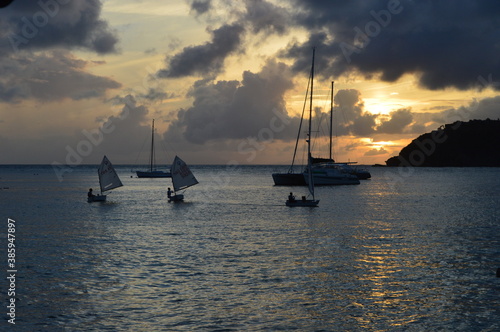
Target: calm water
(408,250)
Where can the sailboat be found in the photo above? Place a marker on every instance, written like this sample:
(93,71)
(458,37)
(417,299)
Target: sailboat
(328,172)
(152,172)
(310,181)
(292,178)
(182,178)
(108,179)
(323,169)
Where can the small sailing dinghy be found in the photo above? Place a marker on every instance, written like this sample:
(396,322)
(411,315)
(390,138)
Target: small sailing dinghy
(108,179)
(182,178)
(291,201)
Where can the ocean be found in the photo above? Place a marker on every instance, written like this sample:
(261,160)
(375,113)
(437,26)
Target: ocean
(412,249)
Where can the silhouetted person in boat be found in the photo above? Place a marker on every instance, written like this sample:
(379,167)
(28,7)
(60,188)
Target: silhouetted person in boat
(291,198)
(169,193)
(90,194)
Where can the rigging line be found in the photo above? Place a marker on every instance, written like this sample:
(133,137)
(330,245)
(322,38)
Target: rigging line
(317,134)
(142,149)
(330,147)
(320,127)
(165,150)
(153,157)
(329,124)
(160,137)
(319,130)
(166,147)
(300,124)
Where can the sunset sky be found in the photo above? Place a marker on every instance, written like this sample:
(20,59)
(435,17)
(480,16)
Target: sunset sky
(226,80)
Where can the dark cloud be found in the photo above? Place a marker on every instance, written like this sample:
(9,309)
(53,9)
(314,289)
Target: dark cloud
(130,128)
(50,76)
(447,43)
(238,110)
(376,152)
(32,35)
(206,59)
(39,25)
(487,108)
(397,122)
(201,6)
(408,122)
(353,119)
(154,94)
(265,16)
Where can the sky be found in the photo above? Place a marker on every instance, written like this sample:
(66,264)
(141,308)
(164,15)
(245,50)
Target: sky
(226,81)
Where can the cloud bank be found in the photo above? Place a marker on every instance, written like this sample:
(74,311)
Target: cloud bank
(36,39)
(39,25)
(448,43)
(50,76)
(236,109)
(207,58)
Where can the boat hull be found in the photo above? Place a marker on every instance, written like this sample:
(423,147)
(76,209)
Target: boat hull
(96,198)
(289,179)
(176,198)
(303,202)
(362,174)
(153,174)
(331,175)
(327,180)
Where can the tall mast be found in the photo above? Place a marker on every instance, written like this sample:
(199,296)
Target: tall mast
(311,181)
(152,156)
(331,122)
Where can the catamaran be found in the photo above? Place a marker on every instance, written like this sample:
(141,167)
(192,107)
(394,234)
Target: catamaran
(108,179)
(329,172)
(324,170)
(182,178)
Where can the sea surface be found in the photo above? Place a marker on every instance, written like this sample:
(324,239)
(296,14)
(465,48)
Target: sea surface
(413,249)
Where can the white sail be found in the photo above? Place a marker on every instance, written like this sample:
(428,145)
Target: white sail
(108,178)
(182,177)
(309,161)
(310,181)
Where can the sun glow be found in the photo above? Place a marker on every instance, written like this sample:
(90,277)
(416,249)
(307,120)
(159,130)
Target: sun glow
(382,143)
(384,105)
